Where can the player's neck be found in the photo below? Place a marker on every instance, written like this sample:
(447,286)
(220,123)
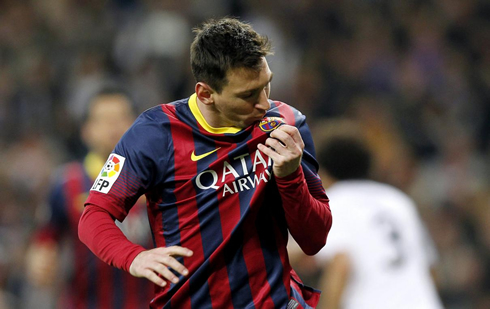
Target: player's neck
(211,115)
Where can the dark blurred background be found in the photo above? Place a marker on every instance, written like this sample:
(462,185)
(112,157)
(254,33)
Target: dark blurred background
(415,74)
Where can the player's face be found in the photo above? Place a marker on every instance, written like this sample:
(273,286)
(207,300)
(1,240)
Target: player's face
(109,117)
(244,99)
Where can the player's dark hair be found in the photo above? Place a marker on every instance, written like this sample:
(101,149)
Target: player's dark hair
(108,90)
(345,158)
(224,44)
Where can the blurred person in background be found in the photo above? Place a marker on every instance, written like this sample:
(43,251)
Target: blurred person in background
(90,283)
(379,254)
(25,169)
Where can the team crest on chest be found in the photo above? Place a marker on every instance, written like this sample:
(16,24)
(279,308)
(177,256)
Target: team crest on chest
(269,124)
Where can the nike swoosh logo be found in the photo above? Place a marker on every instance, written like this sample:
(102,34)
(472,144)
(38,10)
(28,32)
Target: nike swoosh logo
(199,157)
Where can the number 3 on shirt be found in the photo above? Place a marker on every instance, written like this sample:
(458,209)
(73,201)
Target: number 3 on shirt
(393,252)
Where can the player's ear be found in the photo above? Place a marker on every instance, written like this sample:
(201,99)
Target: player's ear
(204,93)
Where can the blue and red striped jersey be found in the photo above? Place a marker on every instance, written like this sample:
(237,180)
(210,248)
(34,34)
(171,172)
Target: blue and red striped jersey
(92,283)
(212,191)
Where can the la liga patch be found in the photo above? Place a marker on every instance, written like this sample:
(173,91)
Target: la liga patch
(269,124)
(109,173)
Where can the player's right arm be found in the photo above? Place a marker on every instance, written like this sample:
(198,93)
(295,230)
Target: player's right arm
(99,232)
(138,162)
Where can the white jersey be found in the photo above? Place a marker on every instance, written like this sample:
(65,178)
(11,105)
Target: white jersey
(379,228)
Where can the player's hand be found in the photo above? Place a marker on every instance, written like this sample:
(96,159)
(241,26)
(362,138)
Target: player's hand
(285,147)
(154,264)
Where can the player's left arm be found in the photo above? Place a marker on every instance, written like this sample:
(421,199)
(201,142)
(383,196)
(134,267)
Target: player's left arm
(304,200)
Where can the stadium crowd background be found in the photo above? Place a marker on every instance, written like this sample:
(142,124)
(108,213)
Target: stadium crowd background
(415,74)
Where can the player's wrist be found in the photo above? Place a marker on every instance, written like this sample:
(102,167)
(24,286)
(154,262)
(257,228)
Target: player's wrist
(137,250)
(293,176)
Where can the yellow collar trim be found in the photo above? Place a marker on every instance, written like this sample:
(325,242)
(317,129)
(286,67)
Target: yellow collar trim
(200,118)
(93,164)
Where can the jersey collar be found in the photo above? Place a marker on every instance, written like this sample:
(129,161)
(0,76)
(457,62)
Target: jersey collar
(200,118)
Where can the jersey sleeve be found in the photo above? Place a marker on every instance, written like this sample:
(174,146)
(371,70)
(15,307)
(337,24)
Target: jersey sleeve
(304,199)
(136,164)
(98,231)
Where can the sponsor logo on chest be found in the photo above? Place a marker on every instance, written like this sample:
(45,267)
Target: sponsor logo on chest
(236,175)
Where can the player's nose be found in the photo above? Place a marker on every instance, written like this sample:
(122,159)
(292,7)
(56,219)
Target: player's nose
(263,103)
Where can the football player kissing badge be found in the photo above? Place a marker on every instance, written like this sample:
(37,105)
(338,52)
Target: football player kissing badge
(269,124)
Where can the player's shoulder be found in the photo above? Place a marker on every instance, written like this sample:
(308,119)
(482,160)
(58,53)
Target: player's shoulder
(150,135)
(148,131)
(288,112)
(155,119)
(160,114)
(283,108)
(154,114)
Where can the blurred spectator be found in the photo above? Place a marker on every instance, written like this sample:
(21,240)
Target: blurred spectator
(89,282)
(378,254)
(25,169)
(152,49)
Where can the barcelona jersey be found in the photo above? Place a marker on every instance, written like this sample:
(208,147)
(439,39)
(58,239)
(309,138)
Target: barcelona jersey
(212,191)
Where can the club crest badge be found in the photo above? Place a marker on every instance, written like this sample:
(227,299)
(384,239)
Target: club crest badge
(269,124)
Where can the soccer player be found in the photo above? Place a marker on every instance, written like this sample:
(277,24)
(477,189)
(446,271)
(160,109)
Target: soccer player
(93,283)
(227,173)
(378,254)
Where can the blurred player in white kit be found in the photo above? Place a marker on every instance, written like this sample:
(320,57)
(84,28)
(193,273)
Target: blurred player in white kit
(378,254)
